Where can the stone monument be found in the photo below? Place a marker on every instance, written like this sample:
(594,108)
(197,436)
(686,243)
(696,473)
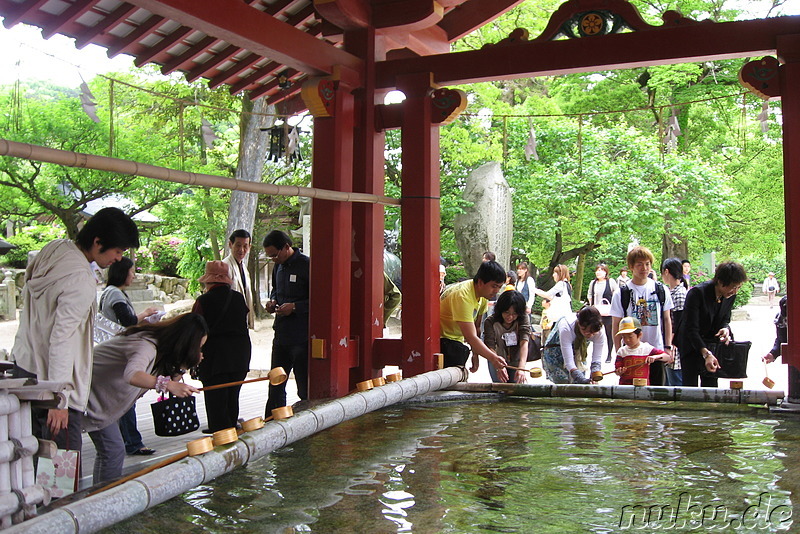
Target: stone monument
(487,224)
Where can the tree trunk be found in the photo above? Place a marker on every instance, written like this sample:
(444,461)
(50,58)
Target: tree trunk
(253,140)
(253,144)
(577,285)
(545,280)
(212,234)
(673,246)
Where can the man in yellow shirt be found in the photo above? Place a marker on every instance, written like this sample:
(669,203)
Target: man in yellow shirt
(462,308)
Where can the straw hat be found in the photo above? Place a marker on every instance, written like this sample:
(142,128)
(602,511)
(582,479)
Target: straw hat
(216,273)
(628,325)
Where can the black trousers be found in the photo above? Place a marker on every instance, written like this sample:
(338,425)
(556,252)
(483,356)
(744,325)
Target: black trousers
(609,335)
(692,368)
(222,405)
(454,352)
(289,357)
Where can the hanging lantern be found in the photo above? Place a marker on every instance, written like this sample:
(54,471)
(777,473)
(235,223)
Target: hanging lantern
(284,143)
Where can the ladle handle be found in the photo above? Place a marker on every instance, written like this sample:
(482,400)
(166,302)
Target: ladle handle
(148,469)
(624,369)
(230,384)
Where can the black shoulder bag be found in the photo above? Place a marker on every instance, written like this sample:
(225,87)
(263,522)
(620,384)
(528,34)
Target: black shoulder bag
(175,416)
(732,359)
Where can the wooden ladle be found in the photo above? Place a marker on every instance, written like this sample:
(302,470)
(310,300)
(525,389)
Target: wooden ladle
(535,372)
(276,377)
(770,383)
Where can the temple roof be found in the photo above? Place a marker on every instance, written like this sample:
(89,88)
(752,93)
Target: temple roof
(254,45)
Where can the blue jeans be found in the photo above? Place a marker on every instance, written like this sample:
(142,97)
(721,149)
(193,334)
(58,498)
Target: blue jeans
(130,434)
(110,453)
(674,377)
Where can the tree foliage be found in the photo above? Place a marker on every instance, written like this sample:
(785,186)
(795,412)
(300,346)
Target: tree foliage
(612,166)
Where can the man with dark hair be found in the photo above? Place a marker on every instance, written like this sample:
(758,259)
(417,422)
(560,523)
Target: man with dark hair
(288,300)
(236,260)
(706,319)
(462,308)
(54,339)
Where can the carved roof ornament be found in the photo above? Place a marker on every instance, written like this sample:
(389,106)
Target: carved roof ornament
(762,77)
(319,96)
(577,19)
(447,104)
(590,18)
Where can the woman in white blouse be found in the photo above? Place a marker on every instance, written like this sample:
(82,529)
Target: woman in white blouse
(526,285)
(560,295)
(601,289)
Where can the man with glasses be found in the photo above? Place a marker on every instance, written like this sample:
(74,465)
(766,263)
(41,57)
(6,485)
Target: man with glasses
(239,243)
(288,300)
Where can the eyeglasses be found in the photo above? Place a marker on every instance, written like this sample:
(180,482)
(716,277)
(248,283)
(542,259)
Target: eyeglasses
(273,256)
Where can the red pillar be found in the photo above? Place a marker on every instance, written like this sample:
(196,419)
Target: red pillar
(420,226)
(789,54)
(331,351)
(368,219)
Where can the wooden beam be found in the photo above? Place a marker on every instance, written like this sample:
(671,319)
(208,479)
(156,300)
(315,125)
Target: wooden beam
(473,14)
(237,23)
(11,18)
(168,41)
(122,12)
(425,42)
(64,19)
(195,50)
(345,14)
(679,44)
(229,75)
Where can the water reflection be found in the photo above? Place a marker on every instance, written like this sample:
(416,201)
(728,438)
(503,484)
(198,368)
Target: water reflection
(508,467)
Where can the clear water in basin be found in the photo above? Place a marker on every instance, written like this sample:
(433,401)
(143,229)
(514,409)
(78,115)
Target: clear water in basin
(515,466)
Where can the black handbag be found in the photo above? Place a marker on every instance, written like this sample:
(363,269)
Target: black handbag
(175,416)
(732,359)
(535,347)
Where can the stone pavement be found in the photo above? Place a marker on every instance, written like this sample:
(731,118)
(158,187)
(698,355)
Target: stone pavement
(757,327)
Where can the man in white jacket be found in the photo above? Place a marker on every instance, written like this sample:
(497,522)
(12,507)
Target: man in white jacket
(239,243)
(54,339)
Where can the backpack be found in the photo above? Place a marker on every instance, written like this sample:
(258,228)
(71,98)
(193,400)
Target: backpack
(625,296)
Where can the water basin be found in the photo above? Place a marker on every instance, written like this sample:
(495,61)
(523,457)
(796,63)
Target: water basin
(513,466)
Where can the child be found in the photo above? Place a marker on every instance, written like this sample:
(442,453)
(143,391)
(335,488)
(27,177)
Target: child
(635,356)
(545,322)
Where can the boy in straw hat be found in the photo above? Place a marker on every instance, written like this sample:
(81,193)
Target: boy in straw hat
(635,356)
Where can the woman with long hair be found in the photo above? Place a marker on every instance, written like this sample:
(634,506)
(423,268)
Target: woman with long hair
(560,295)
(507,332)
(526,285)
(143,357)
(601,289)
(116,306)
(672,274)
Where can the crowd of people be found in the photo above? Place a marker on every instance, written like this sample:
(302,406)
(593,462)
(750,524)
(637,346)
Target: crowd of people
(54,340)
(662,332)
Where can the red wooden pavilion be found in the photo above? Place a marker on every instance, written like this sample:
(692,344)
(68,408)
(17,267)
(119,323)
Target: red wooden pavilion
(340,57)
